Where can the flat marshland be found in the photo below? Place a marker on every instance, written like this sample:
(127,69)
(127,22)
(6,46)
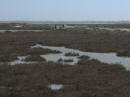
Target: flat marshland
(87,78)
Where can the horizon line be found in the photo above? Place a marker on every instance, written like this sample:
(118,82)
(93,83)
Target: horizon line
(69,22)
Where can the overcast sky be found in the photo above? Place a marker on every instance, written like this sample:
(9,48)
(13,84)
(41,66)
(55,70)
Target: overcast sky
(65,10)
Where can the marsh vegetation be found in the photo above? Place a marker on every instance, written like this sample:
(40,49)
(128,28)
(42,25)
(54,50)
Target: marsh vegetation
(88,78)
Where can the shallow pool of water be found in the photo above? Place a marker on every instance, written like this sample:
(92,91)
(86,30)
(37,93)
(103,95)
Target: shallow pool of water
(55,87)
(20,60)
(2,31)
(110,58)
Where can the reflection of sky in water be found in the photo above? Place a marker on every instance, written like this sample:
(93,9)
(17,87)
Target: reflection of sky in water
(55,87)
(57,57)
(20,60)
(109,58)
(2,31)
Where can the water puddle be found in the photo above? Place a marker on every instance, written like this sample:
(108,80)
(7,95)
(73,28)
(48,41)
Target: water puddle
(61,59)
(20,60)
(2,31)
(110,58)
(55,87)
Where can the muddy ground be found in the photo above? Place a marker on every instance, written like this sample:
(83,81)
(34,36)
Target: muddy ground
(86,79)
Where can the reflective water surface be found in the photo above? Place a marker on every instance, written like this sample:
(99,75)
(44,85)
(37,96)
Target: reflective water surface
(110,58)
(55,87)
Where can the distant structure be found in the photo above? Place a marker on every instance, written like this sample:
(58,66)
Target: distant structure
(18,26)
(61,26)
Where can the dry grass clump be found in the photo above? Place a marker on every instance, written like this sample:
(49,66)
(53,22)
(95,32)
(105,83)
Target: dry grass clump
(35,58)
(84,57)
(66,60)
(7,58)
(41,51)
(69,60)
(71,54)
(60,60)
(123,53)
